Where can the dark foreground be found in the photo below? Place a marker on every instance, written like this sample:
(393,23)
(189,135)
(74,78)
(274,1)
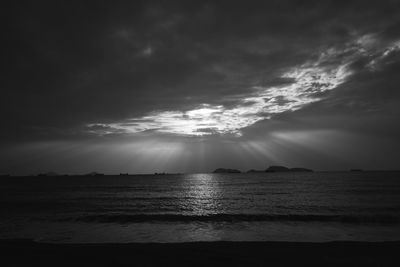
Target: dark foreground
(28,253)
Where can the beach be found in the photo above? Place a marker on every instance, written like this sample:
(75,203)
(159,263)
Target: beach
(29,253)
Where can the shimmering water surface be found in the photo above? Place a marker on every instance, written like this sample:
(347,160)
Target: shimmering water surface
(319,206)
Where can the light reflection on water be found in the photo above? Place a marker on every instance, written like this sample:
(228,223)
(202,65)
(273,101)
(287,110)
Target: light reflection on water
(202,207)
(202,194)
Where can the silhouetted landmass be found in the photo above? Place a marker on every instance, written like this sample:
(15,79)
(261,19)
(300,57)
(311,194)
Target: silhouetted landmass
(254,171)
(277,169)
(49,174)
(95,174)
(356,170)
(286,169)
(124,174)
(300,170)
(29,253)
(222,170)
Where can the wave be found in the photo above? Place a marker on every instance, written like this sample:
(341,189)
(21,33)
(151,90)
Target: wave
(140,218)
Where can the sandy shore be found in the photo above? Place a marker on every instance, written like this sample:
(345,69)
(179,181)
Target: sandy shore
(29,253)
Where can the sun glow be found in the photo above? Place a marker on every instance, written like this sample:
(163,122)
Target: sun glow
(309,80)
(264,102)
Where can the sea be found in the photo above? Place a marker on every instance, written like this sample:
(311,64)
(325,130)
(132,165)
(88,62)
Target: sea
(301,207)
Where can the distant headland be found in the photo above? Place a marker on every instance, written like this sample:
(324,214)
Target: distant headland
(269,169)
(285,169)
(222,170)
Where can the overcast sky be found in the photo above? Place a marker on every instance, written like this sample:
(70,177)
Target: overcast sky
(190,86)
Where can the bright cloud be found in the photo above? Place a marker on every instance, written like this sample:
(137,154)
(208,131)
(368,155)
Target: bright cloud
(310,79)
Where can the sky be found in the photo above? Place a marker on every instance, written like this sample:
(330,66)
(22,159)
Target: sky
(190,86)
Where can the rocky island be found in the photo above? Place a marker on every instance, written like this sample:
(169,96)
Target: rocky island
(269,169)
(286,169)
(222,170)
(255,171)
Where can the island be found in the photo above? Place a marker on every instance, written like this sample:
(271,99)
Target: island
(222,170)
(269,169)
(255,171)
(94,174)
(301,170)
(286,169)
(49,174)
(277,169)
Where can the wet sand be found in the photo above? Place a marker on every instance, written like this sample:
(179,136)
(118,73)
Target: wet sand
(29,253)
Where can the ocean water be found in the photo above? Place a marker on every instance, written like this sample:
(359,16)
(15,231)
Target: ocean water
(317,207)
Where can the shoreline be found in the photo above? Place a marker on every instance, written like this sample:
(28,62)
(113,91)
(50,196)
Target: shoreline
(22,252)
(13,175)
